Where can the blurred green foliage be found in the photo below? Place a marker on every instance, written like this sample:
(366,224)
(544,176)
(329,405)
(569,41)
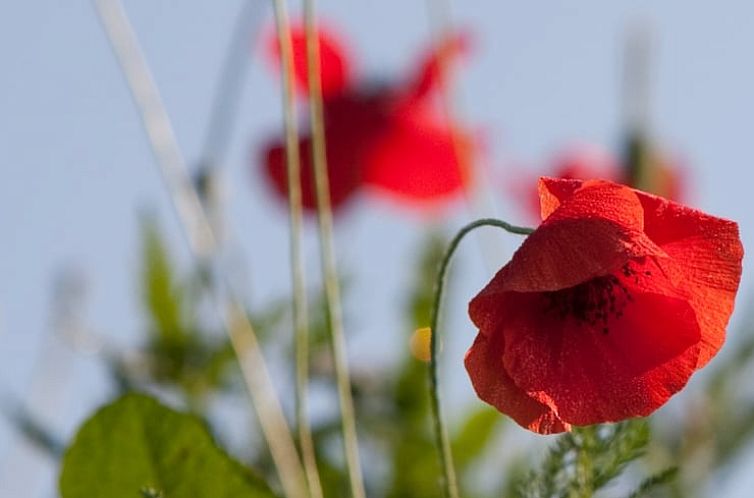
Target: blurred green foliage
(183,353)
(32,429)
(587,460)
(177,353)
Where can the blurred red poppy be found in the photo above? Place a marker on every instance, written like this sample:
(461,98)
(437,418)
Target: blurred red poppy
(670,178)
(391,138)
(606,310)
(583,161)
(590,162)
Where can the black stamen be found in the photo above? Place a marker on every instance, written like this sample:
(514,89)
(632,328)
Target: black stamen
(597,301)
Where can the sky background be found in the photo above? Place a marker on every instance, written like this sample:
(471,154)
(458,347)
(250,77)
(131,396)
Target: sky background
(77,170)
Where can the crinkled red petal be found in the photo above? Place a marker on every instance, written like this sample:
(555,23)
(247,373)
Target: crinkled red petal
(596,229)
(582,162)
(602,371)
(671,290)
(705,255)
(553,191)
(484,362)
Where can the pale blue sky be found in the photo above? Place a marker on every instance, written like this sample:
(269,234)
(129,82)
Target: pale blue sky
(76,168)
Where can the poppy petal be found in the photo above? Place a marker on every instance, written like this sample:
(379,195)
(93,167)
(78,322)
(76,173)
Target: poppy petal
(587,375)
(441,58)
(333,60)
(705,258)
(593,231)
(553,191)
(344,180)
(415,161)
(581,162)
(277,174)
(484,362)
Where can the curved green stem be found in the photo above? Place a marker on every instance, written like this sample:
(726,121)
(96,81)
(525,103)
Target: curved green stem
(450,488)
(328,260)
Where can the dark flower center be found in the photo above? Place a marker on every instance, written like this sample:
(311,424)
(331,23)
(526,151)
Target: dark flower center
(596,301)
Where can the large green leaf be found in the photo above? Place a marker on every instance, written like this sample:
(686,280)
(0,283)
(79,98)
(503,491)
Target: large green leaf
(136,444)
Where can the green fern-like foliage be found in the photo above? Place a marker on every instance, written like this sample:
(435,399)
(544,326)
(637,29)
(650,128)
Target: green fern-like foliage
(587,460)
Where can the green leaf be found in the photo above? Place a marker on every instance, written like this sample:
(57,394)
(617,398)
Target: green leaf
(151,493)
(136,446)
(474,436)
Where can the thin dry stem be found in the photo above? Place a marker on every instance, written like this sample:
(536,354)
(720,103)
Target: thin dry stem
(300,318)
(328,260)
(201,240)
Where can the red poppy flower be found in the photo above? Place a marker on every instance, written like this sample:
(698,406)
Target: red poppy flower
(606,310)
(389,138)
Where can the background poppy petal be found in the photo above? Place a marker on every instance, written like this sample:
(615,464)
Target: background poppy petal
(429,76)
(484,362)
(415,160)
(586,162)
(705,258)
(343,179)
(277,174)
(334,63)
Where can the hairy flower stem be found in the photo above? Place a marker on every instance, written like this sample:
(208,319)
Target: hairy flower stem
(295,210)
(201,241)
(327,253)
(450,484)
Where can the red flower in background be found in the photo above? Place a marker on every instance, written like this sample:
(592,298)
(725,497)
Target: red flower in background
(586,161)
(392,139)
(606,310)
(669,179)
